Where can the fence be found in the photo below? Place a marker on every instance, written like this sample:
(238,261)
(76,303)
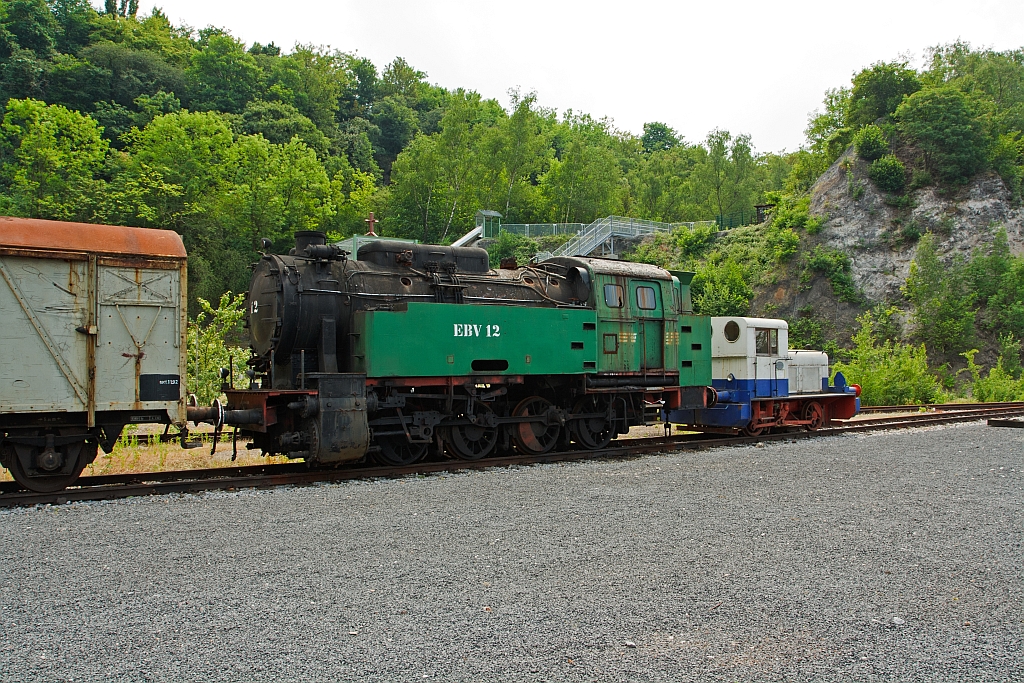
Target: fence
(738,219)
(534,229)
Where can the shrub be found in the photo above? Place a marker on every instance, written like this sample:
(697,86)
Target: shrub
(796,213)
(719,288)
(209,336)
(835,265)
(889,373)
(508,244)
(942,300)
(870,143)
(888,173)
(943,124)
(1002,382)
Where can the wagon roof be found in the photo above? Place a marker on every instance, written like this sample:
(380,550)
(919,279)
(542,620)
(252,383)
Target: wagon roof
(61,236)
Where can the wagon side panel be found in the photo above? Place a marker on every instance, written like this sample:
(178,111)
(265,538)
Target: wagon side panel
(43,305)
(139,341)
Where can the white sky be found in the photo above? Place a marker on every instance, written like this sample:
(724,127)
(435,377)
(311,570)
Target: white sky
(747,67)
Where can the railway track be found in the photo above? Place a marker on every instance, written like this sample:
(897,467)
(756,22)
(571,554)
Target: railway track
(107,487)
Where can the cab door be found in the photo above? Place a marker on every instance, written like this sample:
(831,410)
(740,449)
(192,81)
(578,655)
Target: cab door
(650,313)
(766,346)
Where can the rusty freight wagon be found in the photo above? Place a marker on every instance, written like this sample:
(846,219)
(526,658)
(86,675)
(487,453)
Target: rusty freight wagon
(92,338)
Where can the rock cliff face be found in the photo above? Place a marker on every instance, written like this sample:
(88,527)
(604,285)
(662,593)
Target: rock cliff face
(881,238)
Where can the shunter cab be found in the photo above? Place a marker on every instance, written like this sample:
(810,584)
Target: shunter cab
(762,384)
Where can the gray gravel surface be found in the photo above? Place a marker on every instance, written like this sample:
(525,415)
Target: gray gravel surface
(889,556)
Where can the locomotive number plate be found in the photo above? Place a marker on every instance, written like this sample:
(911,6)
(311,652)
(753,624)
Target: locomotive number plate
(470,330)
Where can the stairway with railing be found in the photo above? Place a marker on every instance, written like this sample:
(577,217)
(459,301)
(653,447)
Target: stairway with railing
(601,234)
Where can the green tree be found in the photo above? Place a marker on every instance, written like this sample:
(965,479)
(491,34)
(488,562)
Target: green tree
(879,90)
(211,341)
(312,81)
(32,26)
(279,122)
(112,72)
(396,124)
(728,175)
(942,123)
(828,132)
(585,181)
(658,137)
(943,305)
(516,149)
(226,76)
(74,23)
(49,161)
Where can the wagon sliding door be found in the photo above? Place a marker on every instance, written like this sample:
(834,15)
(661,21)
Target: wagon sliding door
(138,340)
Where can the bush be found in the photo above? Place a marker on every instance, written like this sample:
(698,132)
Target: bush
(870,143)
(1003,382)
(942,300)
(209,336)
(943,124)
(719,288)
(888,173)
(796,213)
(889,373)
(835,265)
(508,245)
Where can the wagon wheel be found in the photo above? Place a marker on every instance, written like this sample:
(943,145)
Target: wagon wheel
(815,414)
(473,441)
(74,458)
(593,433)
(534,438)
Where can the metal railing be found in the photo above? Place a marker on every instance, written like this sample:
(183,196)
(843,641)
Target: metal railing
(535,229)
(603,230)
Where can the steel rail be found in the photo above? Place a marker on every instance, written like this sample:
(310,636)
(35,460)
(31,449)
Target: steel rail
(938,406)
(107,487)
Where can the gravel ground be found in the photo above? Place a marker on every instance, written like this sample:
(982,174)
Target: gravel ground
(887,556)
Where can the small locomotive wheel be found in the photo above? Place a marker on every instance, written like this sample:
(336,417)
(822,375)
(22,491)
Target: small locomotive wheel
(535,437)
(594,432)
(816,414)
(472,441)
(751,430)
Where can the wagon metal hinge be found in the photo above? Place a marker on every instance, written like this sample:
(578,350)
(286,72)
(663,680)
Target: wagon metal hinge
(65,369)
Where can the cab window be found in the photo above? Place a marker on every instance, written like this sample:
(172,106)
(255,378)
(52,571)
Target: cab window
(613,296)
(766,342)
(645,298)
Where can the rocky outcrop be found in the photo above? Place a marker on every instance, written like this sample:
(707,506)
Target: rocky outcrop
(880,237)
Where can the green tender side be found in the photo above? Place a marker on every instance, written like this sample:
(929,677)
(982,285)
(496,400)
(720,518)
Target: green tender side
(694,350)
(437,340)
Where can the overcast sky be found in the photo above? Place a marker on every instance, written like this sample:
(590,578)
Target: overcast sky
(747,67)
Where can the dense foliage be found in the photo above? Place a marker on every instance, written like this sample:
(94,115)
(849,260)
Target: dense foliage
(112,117)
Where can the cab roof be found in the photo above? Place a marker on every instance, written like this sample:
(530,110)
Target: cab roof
(603,266)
